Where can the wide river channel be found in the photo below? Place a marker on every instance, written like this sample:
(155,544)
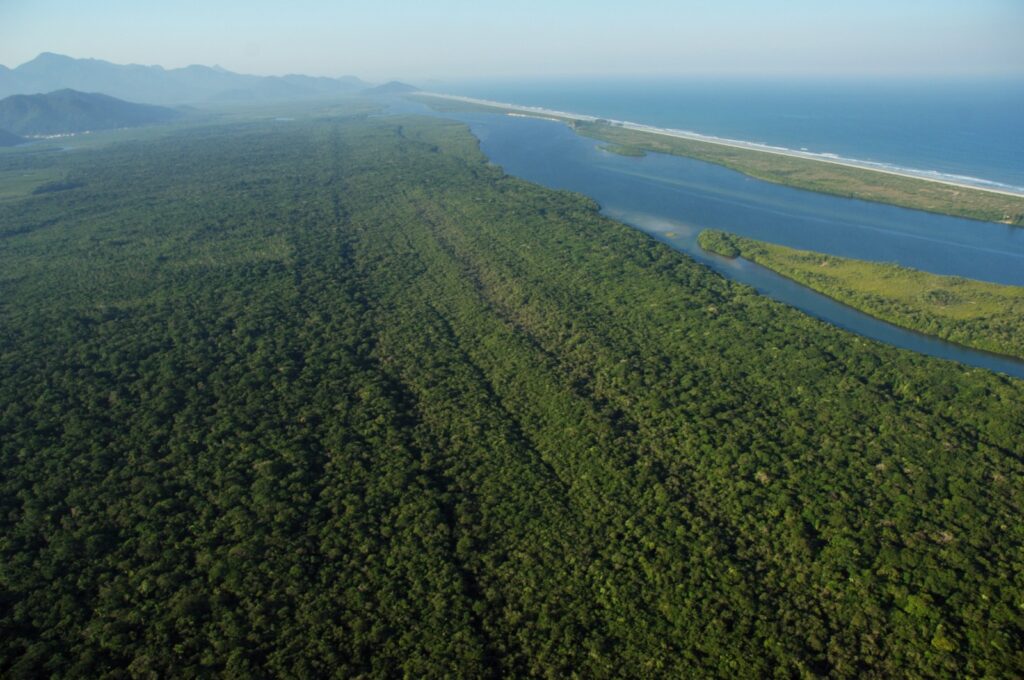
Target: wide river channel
(674,198)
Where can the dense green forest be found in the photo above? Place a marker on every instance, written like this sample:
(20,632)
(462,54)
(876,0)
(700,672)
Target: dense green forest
(979,314)
(338,398)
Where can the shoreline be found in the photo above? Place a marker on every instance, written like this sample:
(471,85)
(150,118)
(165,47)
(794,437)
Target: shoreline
(892,320)
(872,166)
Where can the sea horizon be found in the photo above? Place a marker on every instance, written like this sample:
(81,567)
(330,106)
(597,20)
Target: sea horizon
(955,128)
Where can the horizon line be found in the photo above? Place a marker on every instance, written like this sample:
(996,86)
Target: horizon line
(730,73)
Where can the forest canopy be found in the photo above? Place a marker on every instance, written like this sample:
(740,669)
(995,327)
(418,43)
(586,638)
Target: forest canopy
(338,398)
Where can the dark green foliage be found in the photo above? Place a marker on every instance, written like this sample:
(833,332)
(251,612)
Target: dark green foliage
(720,242)
(339,398)
(65,184)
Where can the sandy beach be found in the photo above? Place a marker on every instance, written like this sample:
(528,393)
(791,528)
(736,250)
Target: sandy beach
(563,116)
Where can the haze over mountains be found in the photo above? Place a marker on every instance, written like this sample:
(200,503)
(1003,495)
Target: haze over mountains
(69,111)
(9,138)
(392,87)
(156,85)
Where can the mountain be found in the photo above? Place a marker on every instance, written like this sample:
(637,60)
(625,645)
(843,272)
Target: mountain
(393,87)
(157,85)
(10,139)
(67,111)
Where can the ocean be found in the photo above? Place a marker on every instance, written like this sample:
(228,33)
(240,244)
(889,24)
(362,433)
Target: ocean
(959,128)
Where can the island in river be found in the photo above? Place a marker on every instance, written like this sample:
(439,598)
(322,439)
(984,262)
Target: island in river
(804,170)
(986,316)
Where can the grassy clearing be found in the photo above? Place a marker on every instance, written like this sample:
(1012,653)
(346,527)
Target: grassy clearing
(983,315)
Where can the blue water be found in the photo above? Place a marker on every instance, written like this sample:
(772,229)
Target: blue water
(690,195)
(673,198)
(967,128)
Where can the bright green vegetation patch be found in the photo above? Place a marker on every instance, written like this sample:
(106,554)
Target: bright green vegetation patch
(987,316)
(338,398)
(823,177)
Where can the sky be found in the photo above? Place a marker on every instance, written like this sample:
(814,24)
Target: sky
(465,39)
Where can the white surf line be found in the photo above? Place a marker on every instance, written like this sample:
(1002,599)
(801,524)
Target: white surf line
(550,114)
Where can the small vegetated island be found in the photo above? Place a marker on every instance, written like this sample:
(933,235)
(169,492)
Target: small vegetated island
(813,174)
(977,314)
(337,398)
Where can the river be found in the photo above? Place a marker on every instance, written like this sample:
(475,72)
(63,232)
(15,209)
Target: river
(674,198)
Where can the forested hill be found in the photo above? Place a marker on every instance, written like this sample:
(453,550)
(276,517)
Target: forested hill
(340,399)
(66,111)
(392,87)
(10,139)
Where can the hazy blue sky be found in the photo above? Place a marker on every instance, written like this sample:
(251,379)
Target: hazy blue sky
(470,38)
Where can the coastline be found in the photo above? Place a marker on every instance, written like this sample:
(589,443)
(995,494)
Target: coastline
(924,175)
(832,159)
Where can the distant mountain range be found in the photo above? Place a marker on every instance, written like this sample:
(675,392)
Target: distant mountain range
(67,111)
(156,85)
(393,87)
